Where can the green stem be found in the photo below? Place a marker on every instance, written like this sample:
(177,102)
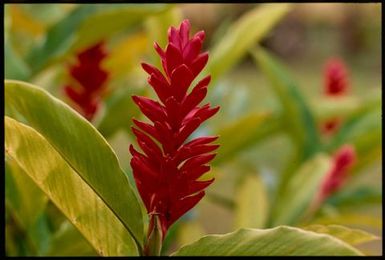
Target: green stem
(153,245)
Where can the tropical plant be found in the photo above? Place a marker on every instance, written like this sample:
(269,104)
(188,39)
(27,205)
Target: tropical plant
(69,186)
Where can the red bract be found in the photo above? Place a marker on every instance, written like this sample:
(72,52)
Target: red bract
(336,78)
(336,84)
(343,159)
(89,80)
(166,173)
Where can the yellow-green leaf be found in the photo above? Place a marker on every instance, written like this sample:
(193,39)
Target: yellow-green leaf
(189,231)
(348,235)
(297,114)
(352,219)
(66,188)
(251,203)
(279,241)
(82,147)
(242,35)
(125,55)
(244,133)
(300,191)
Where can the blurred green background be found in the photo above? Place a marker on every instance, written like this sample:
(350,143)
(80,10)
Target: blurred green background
(256,142)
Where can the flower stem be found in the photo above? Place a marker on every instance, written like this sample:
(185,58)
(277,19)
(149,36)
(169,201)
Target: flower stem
(154,241)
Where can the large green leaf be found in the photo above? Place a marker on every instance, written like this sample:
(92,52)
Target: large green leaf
(242,35)
(244,133)
(298,116)
(82,147)
(252,204)
(279,241)
(299,191)
(66,188)
(349,235)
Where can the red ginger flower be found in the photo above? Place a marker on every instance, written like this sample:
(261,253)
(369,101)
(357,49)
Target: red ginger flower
(343,160)
(336,84)
(166,176)
(89,80)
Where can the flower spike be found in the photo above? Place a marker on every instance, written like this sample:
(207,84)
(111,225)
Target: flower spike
(167,171)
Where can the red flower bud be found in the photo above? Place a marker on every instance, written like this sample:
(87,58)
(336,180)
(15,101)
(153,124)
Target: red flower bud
(88,80)
(167,171)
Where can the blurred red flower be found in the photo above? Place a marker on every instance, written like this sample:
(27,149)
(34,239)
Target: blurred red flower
(166,174)
(343,160)
(336,78)
(89,80)
(335,85)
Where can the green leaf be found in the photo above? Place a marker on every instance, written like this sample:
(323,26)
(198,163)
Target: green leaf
(27,204)
(41,234)
(298,116)
(348,235)
(330,107)
(279,241)
(59,38)
(82,146)
(119,110)
(251,203)
(66,188)
(357,197)
(363,131)
(244,133)
(345,106)
(242,35)
(300,190)
(113,19)
(14,65)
